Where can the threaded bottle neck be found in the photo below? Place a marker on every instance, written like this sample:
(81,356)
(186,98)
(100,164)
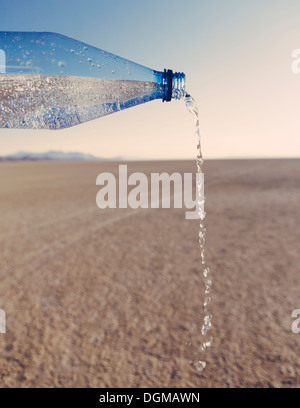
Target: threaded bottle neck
(178,91)
(173,85)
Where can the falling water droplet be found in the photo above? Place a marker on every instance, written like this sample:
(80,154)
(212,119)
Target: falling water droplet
(199,365)
(206,272)
(206,302)
(206,328)
(208,318)
(208,285)
(207,344)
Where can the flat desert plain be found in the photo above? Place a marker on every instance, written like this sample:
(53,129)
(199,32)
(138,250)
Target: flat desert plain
(113,298)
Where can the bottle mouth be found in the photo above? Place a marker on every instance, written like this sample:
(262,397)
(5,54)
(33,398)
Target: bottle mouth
(173,85)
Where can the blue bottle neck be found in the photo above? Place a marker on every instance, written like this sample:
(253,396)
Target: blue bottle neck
(173,85)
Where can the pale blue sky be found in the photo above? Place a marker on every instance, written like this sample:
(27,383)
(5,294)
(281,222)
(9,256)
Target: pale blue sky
(236,55)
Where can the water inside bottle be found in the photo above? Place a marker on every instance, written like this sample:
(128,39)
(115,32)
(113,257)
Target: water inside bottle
(207,341)
(57,102)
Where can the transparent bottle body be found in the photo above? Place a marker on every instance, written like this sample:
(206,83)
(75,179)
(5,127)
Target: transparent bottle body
(50,81)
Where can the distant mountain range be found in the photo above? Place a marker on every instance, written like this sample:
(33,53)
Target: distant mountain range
(56,155)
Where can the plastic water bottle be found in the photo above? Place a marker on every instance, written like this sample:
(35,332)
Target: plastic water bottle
(50,81)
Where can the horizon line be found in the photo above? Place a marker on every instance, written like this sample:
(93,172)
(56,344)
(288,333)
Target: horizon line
(5,159)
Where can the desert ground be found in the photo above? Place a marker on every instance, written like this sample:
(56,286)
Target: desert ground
(113,298)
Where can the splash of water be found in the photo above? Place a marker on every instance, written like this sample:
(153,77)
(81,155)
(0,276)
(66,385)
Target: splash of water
(207,341)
